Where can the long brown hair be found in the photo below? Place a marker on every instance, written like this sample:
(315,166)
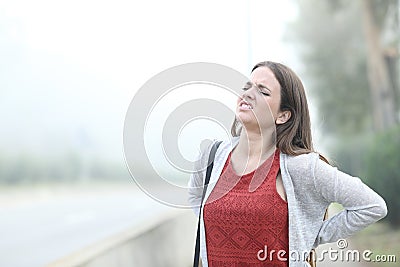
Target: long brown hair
(294,136)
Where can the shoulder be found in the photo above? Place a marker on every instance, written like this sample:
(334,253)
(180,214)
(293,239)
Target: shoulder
(299,172)
(303,164)
(224,147)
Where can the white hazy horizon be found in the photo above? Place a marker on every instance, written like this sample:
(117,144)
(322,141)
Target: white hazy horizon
(70,69)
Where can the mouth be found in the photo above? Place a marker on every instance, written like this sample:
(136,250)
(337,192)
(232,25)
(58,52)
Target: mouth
(243,105)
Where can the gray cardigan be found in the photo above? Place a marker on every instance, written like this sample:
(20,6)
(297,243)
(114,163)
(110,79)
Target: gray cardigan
(310,185)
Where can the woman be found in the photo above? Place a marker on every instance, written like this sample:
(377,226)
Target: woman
(269,190)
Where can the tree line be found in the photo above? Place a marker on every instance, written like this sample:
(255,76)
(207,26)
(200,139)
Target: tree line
(350,56)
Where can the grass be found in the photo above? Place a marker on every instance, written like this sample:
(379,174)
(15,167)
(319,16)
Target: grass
(380,239)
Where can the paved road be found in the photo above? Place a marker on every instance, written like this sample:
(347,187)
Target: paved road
(39,232)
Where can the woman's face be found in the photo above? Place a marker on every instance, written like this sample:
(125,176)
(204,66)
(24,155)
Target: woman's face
(258,107)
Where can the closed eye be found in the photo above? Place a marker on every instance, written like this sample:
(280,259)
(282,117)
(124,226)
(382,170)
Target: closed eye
(247,86)
(263,89)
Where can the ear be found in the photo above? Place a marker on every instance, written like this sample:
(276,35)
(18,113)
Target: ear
(283,117)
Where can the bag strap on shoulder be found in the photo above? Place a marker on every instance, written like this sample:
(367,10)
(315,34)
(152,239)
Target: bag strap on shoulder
(210,166)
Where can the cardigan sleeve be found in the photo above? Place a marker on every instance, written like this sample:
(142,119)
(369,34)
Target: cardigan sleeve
(196,181)
(195,189)
(362,206)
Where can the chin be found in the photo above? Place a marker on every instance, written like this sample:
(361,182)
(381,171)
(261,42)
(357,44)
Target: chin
(245,118)
(247,121)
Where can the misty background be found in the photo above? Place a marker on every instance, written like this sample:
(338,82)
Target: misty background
(69,71)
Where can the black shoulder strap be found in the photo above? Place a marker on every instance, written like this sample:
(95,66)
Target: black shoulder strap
(206,181)
(210,166)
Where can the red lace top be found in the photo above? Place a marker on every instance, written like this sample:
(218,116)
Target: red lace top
(243,226)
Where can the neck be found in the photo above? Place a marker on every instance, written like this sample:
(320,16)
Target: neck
(257,144)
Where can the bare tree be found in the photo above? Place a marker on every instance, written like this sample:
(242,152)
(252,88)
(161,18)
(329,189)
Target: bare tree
(382,91)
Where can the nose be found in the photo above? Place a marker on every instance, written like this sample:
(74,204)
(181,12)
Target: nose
(249,93)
